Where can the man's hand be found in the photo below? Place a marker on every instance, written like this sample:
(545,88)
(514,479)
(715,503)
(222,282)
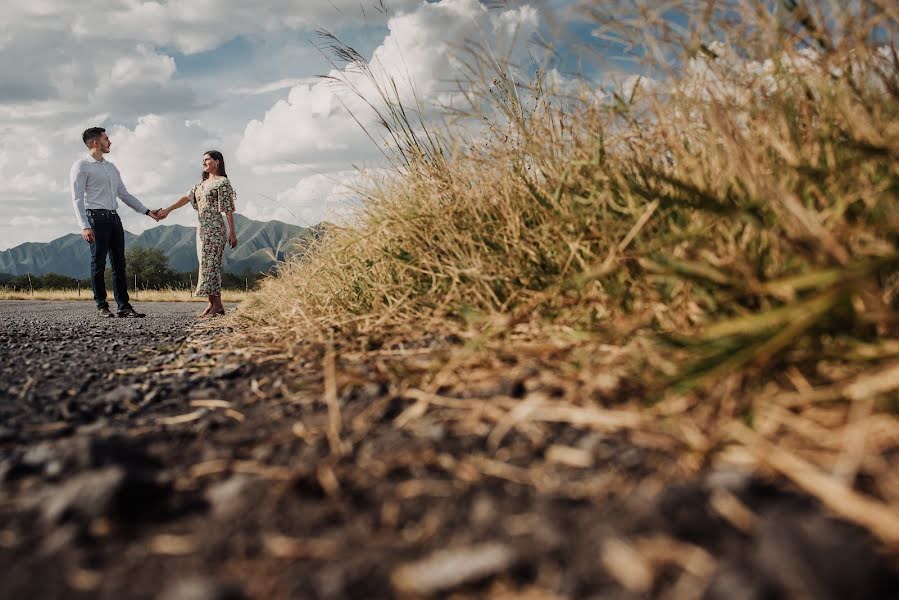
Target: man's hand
(88,235)
(154,214)
(161,213)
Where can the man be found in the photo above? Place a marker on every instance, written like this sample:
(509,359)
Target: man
(95,185)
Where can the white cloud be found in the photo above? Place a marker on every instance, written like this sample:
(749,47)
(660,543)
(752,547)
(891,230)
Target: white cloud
(311,127)
(139,81)
(274,86)
(27,164)
(315,198)
(161,154)
(50,47)
(144,67)
(197,25)
(120,64)
(189,25)
(421,52)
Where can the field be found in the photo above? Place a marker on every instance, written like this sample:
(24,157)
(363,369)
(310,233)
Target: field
(136,296)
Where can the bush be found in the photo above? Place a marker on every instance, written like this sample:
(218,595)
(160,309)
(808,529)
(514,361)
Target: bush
(753,180)
(48,281)
(149,267)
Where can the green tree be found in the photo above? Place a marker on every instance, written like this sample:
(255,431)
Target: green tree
(150,266)
(21,282)
(55,281)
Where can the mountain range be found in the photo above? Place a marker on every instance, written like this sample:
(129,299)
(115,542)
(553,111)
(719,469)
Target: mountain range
(260,245)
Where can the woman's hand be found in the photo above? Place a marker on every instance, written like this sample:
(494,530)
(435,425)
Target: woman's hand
(233,240)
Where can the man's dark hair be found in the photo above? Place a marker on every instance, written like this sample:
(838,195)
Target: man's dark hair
(91,133)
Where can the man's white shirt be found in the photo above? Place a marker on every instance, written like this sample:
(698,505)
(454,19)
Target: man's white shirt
(96,184)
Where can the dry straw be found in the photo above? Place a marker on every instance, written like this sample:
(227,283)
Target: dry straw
(720,237)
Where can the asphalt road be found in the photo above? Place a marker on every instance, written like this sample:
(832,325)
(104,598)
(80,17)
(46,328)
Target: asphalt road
(57,357)
(139,463)
(84,443)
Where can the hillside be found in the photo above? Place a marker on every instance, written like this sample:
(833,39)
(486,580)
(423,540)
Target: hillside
(260,245)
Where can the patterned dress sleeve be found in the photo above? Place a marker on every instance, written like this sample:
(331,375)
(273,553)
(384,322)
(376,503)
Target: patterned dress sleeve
(192,196)
(226,197)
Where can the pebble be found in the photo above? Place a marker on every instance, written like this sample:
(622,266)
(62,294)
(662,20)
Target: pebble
(226,372)
(124,394)
(88,495)
(83,382)
(450,568)
(201,588)
(227,498)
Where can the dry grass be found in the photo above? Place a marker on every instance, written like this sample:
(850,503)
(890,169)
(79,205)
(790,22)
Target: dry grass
(168,295)
(714,251)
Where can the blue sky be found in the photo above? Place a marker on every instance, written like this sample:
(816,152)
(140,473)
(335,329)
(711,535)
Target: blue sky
(170,80)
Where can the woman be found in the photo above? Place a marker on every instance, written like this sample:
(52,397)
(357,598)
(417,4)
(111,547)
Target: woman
(210,198)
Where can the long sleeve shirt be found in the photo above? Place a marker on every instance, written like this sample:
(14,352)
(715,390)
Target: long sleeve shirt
(96,184)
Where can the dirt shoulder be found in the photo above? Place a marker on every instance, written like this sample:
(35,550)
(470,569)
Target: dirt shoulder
(157,459)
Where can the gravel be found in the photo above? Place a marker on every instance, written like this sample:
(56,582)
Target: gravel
(58,360)
(137,462)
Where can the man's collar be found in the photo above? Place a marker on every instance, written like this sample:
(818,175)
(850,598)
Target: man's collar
(91,156)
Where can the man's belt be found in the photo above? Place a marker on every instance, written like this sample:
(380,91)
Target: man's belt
(100,211)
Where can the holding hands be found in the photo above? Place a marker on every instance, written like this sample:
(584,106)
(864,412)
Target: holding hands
(161,213)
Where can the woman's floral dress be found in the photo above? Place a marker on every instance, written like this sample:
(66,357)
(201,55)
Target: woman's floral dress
(210,199)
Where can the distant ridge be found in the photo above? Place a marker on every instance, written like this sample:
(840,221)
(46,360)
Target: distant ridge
(69,255)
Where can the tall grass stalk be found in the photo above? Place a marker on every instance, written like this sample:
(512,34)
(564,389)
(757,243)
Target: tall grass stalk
(719,235)
(769,144)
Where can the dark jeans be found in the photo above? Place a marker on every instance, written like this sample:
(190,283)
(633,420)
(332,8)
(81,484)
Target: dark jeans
(109,238)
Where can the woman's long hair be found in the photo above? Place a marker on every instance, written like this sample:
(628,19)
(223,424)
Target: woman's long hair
(216,155)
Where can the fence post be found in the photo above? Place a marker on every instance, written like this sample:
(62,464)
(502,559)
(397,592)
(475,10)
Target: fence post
(30,285)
